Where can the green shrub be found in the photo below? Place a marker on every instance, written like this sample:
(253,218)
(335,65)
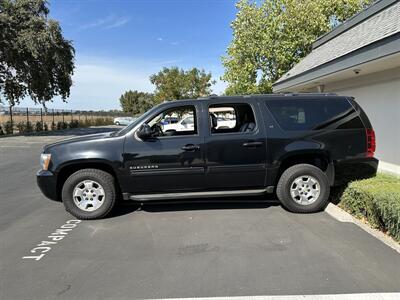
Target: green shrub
(53,126)
(38,126)
(62,125)
(29,127)
(1,130)
(8,127)
(45,127)
(21,126)
(97,122)
(24,127)
(377,200)
(82,123)
(73,124)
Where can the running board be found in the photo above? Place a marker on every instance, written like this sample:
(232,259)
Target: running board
(174,196)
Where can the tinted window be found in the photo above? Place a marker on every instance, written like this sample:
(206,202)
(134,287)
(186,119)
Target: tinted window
(297,114)
(185,124)
(229,118)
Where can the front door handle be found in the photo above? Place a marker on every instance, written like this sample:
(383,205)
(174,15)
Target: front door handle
(252,144)
(190,147)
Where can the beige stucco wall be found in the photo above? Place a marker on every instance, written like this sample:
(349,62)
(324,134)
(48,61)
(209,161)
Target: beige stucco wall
(379,96)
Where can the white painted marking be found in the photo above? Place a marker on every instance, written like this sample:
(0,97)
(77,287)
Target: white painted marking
(363,296)
(43,247)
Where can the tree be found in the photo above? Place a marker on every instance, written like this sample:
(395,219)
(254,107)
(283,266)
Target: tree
(135,102)
(35,59)
(271,37)
(174,83)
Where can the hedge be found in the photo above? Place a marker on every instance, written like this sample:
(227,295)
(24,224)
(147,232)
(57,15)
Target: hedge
(377,200)
(28,127)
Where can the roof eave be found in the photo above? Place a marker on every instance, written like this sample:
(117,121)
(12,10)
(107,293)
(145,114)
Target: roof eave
(382,48)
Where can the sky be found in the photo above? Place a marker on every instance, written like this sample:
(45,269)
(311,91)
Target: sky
(120,43)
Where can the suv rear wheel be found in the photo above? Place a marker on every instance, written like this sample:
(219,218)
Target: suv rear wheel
(89,194)
(303,188)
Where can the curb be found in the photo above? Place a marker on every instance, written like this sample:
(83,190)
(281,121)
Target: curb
(363,296)
(344,217)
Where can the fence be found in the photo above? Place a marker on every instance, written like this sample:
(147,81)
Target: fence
(24,120)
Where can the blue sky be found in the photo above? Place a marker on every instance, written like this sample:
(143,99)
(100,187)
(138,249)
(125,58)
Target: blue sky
(119,43)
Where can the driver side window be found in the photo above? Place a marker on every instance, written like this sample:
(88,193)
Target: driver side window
(185,122)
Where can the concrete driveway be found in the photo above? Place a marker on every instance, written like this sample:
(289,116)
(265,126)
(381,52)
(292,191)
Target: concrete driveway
(171,250)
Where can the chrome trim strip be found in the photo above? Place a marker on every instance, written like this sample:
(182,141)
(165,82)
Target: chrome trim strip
(166,196)
(170,171)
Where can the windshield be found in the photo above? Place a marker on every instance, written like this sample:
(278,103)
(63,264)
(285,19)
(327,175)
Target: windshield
(134,123)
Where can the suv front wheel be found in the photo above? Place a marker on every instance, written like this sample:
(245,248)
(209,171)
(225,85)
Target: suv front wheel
(89,194)
(303,188)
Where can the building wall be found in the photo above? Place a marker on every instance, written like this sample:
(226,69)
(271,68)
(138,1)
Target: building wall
(379,95)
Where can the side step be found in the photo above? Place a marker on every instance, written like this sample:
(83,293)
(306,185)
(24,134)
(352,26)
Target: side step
(176,196)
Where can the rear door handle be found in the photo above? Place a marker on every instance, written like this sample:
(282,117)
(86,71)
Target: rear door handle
(190,147)
(252,144)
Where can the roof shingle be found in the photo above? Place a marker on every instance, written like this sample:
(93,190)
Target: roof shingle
(377,27)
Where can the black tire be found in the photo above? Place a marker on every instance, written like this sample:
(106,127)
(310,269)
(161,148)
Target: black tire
(117,123)
(105,179)
(287,179)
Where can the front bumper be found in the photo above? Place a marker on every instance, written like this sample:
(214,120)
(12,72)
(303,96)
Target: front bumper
(47,183)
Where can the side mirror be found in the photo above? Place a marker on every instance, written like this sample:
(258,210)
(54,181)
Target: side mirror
(144,132)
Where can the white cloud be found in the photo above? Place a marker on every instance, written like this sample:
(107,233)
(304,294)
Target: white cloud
(108,22)
(98,82)
(159,39)
(99,86)
(118,23)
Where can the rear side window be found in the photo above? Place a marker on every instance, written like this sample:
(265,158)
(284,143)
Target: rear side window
(298,114)
(231,118)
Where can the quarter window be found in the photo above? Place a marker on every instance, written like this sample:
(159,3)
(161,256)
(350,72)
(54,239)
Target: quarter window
(298,114)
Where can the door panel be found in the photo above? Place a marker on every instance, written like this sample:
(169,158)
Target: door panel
(163,165)
(230,164)
(170,161)
(236,160)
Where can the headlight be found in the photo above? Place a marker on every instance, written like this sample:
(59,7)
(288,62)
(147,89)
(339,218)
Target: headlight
(45,161)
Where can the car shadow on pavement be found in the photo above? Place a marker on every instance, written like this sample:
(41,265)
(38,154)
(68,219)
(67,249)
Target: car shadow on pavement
(128,207)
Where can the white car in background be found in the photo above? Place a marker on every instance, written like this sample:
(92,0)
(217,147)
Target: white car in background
(225,123)
(123,120)
(185,124)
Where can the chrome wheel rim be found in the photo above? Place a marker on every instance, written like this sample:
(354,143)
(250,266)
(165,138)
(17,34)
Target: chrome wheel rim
(88,195)
(305,190)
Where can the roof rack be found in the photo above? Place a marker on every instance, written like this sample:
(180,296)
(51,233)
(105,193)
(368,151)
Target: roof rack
(307,94)
(214,96)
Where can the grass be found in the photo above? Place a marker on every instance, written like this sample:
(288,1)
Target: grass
(376,200)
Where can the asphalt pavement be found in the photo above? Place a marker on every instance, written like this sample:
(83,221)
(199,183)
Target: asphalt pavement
(174,249)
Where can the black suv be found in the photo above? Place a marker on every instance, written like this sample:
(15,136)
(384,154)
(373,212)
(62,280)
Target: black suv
(297,145)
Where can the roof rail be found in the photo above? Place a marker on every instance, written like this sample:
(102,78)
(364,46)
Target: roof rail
(307,94)
(212,96)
